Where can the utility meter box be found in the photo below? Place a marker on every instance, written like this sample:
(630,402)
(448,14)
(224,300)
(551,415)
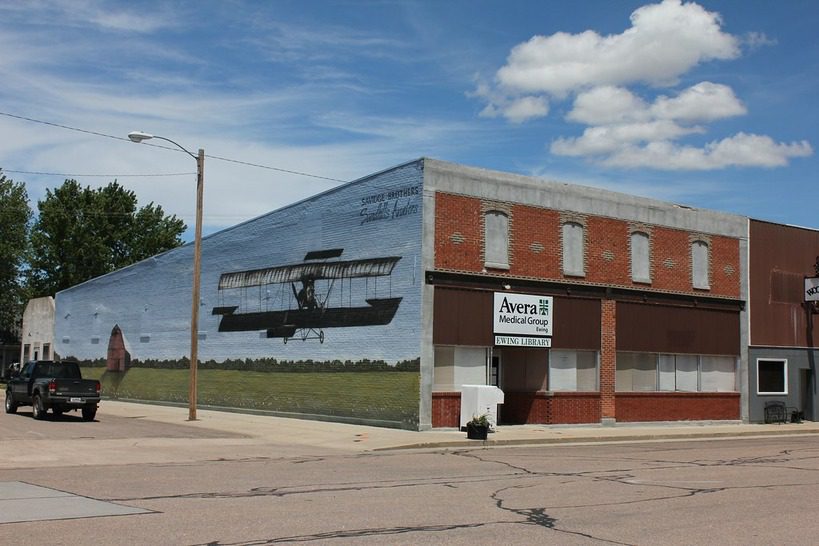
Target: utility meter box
(480,400)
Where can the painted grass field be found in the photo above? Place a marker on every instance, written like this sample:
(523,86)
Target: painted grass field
(381,396)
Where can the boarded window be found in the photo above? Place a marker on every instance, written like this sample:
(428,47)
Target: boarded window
(496,239)
(699,265)
(573,250)
(640,258)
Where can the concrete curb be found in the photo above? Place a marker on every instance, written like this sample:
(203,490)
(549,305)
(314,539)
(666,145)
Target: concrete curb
(693,436)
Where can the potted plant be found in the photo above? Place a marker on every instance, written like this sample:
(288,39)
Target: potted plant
(478,427)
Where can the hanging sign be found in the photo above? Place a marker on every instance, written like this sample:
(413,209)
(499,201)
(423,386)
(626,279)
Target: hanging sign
(812,289)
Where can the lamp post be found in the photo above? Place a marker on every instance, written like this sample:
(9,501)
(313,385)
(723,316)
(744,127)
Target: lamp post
(138,136)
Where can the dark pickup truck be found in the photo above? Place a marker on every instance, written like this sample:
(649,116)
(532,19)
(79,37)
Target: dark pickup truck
(58,386)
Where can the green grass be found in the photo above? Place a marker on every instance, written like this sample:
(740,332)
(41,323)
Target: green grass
(389,396)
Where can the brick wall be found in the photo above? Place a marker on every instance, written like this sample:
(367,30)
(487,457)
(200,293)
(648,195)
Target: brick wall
(676,406)
(446,409)
(575,408)
(549,409)
(724,266)
(535,247)
(458,233)
(608,356)
(608,258)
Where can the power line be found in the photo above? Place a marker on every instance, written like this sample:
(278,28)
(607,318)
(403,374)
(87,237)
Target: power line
(100,175)
(95,133)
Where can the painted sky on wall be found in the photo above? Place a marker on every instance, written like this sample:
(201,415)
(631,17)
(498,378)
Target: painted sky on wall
(708,104)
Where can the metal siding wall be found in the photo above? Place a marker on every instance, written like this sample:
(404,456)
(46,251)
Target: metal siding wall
(666,329)
(464,317)
(780,258)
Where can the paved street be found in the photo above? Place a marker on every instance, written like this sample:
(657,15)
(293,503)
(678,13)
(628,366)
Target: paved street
(236,487)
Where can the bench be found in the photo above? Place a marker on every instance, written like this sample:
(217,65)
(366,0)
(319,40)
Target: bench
(775,412)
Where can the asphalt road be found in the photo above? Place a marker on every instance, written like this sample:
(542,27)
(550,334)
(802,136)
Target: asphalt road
(744,491)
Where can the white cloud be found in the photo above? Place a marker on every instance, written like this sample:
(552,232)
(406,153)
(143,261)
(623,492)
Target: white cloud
(664,42)
(740,150)
(705,101)
(623,129)
(525,108)
(606,105)
(612,138)
(755,40)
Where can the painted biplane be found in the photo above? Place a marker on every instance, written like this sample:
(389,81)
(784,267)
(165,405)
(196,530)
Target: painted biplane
(300,304)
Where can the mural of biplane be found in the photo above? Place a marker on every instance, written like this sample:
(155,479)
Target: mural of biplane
(294,301)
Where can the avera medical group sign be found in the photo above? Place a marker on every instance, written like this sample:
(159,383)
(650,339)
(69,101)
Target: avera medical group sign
(528,318)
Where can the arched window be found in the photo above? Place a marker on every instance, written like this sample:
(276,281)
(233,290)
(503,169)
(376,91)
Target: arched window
(573,250)
(699,265)
(496,239)
(640,257)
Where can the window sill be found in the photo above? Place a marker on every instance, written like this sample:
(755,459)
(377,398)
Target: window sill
(575,274)
(489,265)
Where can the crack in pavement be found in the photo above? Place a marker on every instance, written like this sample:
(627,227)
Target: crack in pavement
(352,533)
(539,516)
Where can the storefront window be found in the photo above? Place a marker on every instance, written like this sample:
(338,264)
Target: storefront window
(718,374)
(636,372)
(572,370)
(666,372)
(457,366)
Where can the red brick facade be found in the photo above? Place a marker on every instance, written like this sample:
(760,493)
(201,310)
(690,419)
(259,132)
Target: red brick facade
(677,406)
(446,409)
(525,407)
(535,248)
(579,408)
(608,356)
(535,253)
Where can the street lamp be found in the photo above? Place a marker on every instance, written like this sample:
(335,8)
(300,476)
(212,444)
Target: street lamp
(138,136)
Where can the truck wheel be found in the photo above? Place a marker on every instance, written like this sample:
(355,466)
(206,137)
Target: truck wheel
(89,412)
(38,410)
(11,407)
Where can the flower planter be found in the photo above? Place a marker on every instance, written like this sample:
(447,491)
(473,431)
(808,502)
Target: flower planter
(476,432)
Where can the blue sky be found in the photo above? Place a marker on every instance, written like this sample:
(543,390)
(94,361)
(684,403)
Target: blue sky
(709,104)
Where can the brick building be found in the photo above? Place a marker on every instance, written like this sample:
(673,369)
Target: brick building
(648,301)
(377,302)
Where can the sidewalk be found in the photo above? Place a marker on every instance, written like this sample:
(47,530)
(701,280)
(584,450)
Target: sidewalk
(358,438)
(163,435)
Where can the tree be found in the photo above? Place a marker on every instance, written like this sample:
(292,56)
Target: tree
(82,233)
(15,216)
